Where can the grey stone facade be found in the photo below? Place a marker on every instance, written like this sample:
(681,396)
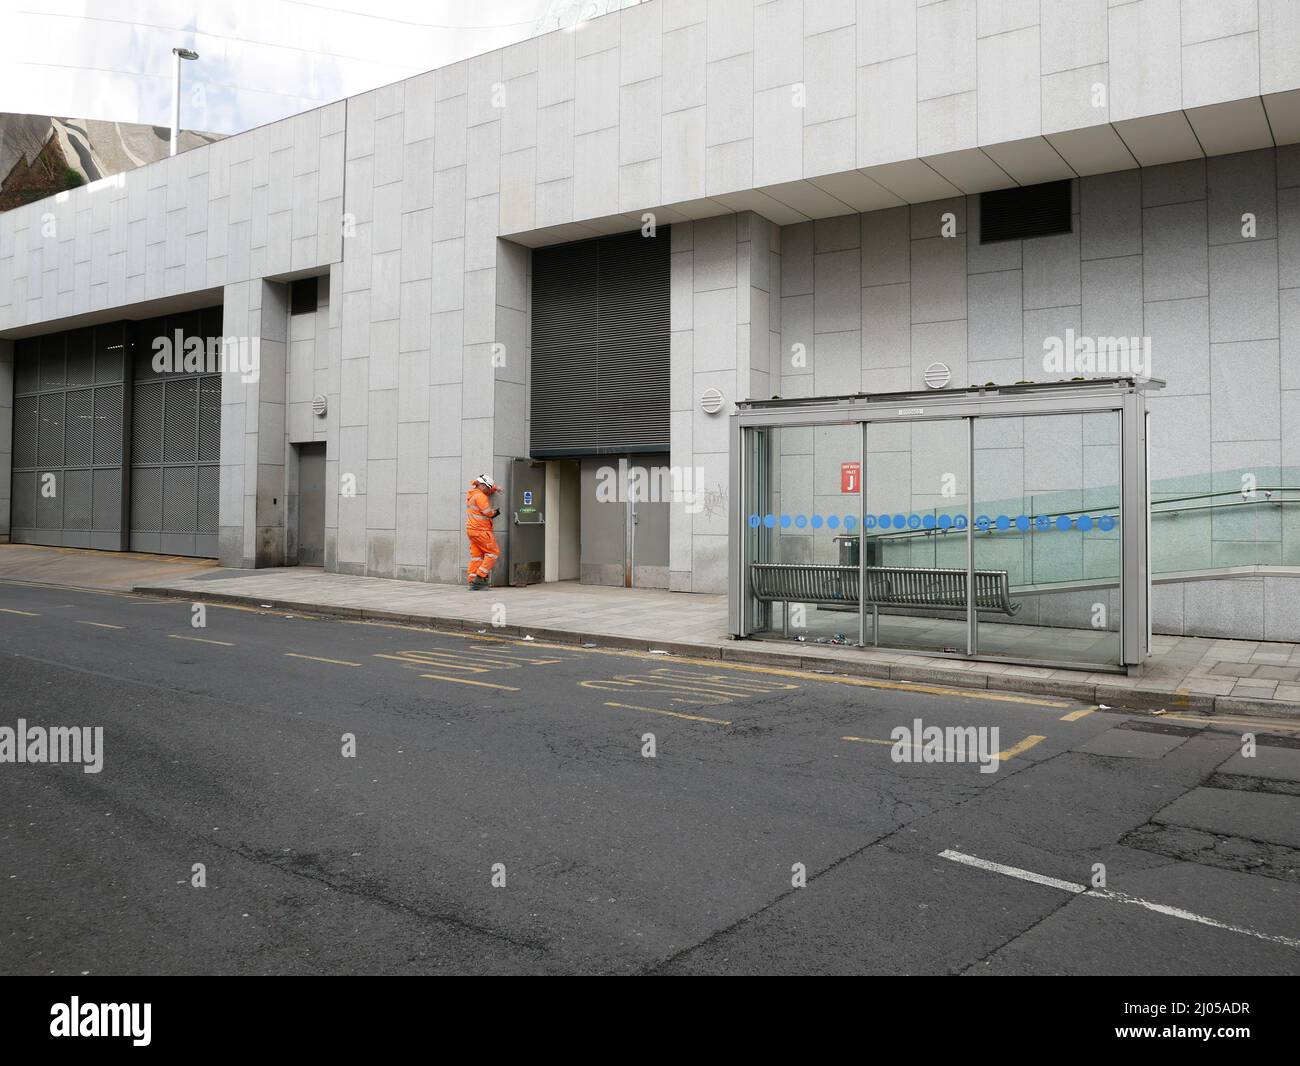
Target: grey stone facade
(803,153)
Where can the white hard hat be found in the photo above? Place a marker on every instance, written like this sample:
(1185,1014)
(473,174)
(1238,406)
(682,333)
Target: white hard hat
(485,481)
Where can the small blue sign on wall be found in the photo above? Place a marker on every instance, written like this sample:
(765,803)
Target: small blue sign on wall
(528,497)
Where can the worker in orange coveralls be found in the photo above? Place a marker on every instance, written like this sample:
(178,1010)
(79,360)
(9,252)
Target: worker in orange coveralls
(483,549)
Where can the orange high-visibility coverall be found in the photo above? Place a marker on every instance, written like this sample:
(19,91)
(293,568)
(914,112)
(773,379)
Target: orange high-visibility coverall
(483,549)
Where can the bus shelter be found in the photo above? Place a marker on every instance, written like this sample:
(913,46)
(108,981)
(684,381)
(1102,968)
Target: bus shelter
(1006,523)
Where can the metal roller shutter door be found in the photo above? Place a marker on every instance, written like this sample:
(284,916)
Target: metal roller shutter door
(67,438)
(175,449)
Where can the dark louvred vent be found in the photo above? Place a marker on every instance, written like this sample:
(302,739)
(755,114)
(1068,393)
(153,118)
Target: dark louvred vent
(600,339)
(302,297)
(1017,214)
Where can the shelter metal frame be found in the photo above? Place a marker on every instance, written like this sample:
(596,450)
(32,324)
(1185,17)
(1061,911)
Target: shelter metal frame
(1124,395)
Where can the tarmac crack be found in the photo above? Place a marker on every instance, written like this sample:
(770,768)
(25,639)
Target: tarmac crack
(301,867)
(663,964)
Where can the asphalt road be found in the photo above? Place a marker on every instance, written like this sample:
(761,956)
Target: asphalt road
(482,759)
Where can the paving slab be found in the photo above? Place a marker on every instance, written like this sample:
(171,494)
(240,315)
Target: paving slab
(1275,764)
(1130,744)
(1266,816)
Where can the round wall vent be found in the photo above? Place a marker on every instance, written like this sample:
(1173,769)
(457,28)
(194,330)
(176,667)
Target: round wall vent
(937,375)
(319,405)
(711,401)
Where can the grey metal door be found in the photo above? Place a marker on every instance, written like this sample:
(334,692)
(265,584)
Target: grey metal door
(311,505)
(525,510)
(650,507)
(602,519)
(625,508)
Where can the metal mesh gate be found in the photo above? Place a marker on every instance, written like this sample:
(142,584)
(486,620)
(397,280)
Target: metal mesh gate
(67,438)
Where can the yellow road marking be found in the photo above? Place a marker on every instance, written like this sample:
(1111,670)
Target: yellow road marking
(918,746)
(655,688)
(670,714)
(318,659)
(448,663)
(29,614)
(1021,748)
(741,686)
(467,681)
(715,664)
(473,661)
(101,625)
(1002,756)
(896,686)
(412,661)
(476,662)
(1264,725)
(202,640)
(1074,716)
(804,675)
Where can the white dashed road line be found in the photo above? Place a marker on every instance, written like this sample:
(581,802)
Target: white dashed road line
(1107,894)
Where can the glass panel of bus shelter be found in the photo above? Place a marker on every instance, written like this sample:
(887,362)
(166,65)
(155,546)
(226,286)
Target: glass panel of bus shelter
(914,524)
(757,537)
(803,570)
(1047,537)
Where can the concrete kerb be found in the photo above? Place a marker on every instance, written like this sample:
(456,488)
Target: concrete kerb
(1241,705)
(1154,699)
(1119,698)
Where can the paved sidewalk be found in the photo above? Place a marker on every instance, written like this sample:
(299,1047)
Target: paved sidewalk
(1186,674)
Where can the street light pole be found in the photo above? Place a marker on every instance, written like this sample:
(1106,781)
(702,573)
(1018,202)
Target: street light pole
(179,54)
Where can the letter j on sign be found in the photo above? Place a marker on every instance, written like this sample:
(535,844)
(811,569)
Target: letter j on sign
(850,477)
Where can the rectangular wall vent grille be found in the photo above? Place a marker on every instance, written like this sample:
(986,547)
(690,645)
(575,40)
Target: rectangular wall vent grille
(600,346)
(1019,214)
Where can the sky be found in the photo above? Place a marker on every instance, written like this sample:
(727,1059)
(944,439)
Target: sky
(259,60)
